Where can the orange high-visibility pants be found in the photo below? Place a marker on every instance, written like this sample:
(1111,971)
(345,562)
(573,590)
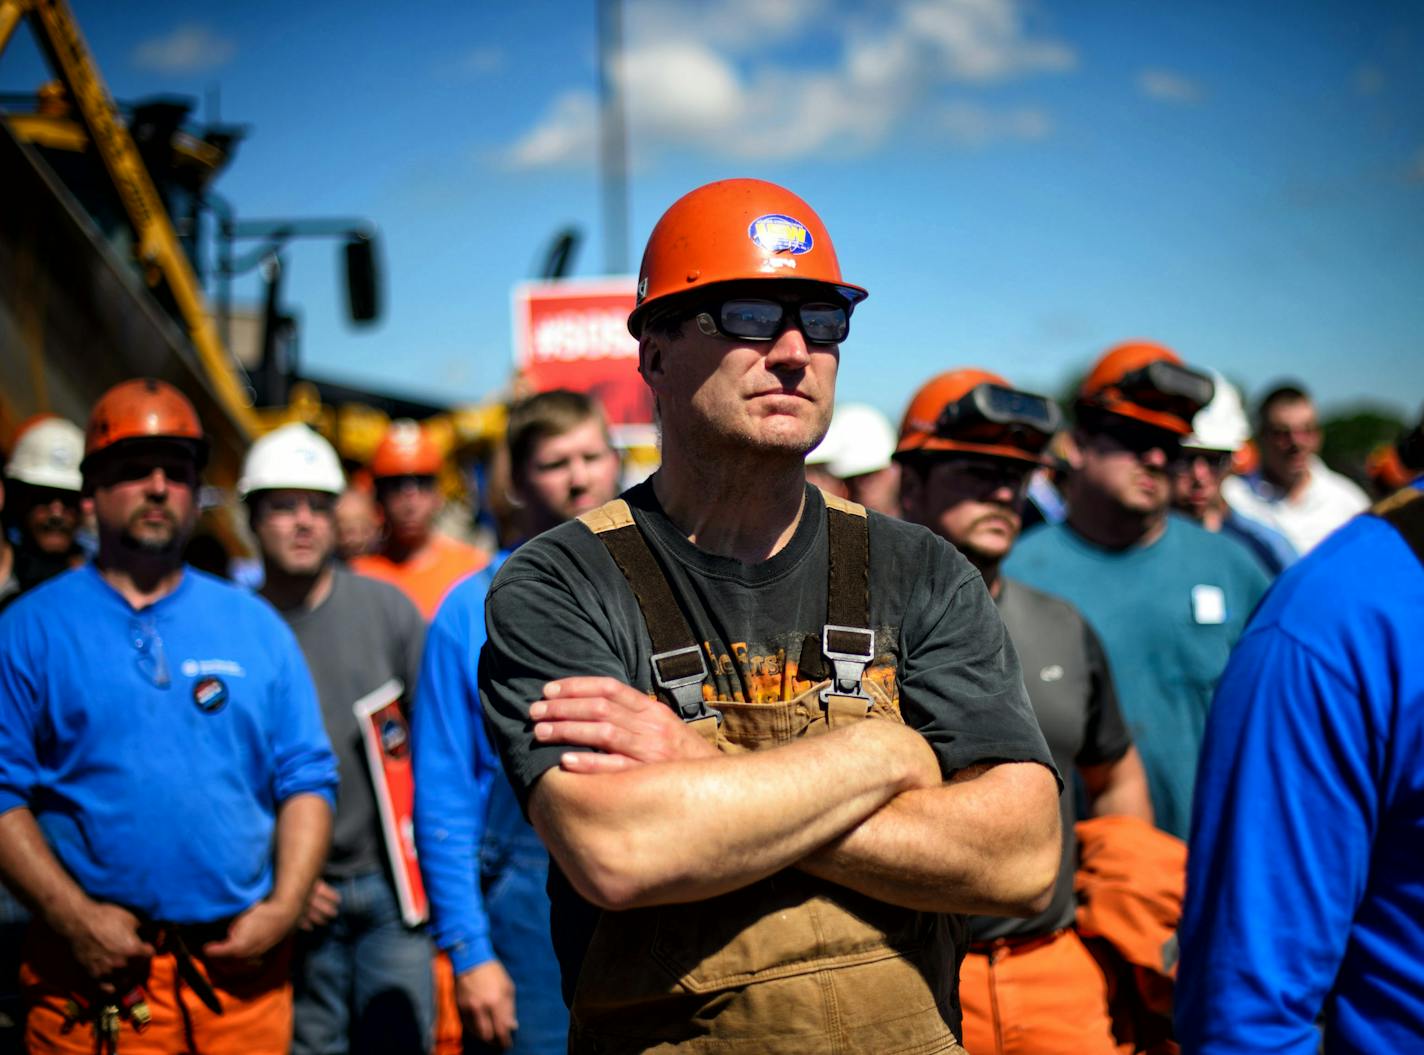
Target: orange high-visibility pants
(1040,997)
(449,1031)
(256,1000)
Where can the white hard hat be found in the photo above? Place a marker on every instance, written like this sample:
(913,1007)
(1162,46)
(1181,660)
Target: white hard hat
(47,454)
(1221,425)
(860,440)
(294,458)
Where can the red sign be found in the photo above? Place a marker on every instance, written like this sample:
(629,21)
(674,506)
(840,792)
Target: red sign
(387,738)
(573,333)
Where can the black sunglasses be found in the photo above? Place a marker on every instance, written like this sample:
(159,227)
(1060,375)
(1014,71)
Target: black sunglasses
(755,319)
(394,484)
(320,503)
(1216,461)
(1139,439)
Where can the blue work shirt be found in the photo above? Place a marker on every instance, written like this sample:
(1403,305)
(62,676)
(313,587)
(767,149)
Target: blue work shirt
(461,795)
(1167,615)
(1305,880)
(154,746)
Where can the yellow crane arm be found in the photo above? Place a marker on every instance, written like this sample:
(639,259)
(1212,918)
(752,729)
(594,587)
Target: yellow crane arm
(157,244)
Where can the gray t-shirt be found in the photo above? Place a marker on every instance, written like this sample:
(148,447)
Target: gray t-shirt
(561,607)
(364,634)
(1071,687)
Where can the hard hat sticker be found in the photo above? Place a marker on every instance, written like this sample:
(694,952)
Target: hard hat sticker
(210,694)
(776,233)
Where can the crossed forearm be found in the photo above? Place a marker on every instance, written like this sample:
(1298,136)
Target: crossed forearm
(689,829)
(987,842)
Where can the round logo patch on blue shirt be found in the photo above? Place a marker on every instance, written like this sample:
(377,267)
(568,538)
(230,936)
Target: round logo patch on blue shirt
(778,233)
(210,694)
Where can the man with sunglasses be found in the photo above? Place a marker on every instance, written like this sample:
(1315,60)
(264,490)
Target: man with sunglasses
(1167,598)
(1292,490)
(165,783)
(362,977)
(1219,431)
(774,743)
(968,444)
(418,560)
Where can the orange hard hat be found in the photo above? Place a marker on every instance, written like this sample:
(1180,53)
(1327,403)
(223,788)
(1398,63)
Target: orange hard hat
(1147,382)
(732,231)
(924,429)
(143,409)
(405,450)
(1384,466)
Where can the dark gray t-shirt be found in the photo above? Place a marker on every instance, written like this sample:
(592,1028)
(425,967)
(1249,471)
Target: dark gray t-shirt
(561,607)
(1071,687)
(364,634)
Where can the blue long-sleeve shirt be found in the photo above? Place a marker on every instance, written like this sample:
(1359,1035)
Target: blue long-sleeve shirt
(154,746)
(457,772)
(1306,873)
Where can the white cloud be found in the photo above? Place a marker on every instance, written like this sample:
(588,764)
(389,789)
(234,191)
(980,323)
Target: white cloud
(1169,87)
(972,125)
(781,79)
(680,90)
(188,49)
(734,25)
(982,40)
(568,135)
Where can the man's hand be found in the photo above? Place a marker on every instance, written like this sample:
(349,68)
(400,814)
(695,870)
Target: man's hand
(105,941)
(628,727)
(322,905)
(485,997)
(254,932)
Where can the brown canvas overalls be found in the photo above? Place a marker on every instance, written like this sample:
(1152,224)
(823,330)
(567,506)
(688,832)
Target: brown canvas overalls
(790,964)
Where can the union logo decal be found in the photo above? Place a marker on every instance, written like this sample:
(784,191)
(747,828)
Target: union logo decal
(777,233)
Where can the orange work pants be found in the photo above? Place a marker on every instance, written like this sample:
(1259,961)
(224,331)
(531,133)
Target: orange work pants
(1045,996)
(256,1001)
(449,1031)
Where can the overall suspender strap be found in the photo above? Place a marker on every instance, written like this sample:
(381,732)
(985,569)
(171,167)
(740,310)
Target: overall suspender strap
(679,669)
(1404,511)
(679,666)
(847,641)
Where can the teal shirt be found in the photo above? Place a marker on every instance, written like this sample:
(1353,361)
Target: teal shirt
(1168,615)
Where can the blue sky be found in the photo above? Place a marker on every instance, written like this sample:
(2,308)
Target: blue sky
(1019,184)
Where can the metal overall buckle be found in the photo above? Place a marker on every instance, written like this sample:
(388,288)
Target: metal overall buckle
(673,672)
(850,650)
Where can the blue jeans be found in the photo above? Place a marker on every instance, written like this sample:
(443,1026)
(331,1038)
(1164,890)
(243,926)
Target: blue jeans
(363,982)
(514,869)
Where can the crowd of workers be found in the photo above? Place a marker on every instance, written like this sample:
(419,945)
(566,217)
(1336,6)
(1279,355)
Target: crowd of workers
(999,736)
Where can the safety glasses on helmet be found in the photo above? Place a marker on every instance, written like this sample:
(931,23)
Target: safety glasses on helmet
(1167,386)
(992,411)
(757,319)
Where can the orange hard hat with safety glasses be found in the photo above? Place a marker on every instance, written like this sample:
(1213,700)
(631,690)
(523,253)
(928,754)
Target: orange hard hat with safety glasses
(406,450)
(143,409)
(974,411)
(736,230)
(1149,383)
